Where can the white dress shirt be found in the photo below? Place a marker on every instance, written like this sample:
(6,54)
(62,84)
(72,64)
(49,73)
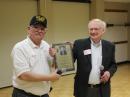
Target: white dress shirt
(96,59)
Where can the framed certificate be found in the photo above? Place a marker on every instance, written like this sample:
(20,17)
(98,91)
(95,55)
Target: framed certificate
(63,58)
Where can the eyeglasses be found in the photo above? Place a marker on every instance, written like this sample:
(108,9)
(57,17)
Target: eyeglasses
(39,28)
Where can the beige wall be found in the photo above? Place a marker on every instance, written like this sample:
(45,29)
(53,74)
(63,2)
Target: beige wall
(122,6)
(67,21)
(128,31)
(14,16)
(115,5)
(97,9)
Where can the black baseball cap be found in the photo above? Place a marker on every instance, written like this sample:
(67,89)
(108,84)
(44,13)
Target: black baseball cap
(38,20)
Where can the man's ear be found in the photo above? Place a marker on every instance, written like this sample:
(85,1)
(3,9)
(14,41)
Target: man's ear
(28,28)
(103,31)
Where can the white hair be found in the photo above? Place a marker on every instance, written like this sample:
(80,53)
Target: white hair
(101,23)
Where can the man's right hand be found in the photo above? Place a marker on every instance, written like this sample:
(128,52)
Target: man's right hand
(54,76)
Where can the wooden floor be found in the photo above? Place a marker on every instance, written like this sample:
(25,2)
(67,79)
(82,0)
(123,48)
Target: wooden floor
(64,87)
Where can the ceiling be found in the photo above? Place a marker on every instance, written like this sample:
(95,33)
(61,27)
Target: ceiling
(125,1)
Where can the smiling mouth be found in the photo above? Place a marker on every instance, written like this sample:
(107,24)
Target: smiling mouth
(93,35)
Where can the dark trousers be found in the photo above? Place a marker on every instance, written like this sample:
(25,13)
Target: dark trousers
(93,92)
(21,93)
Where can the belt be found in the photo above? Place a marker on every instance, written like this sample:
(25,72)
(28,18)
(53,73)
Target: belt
(94,86)
(26,93)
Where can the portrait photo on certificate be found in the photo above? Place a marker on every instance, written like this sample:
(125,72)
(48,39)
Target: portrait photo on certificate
(63,59)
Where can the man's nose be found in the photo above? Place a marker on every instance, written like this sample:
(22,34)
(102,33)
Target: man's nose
(93,31)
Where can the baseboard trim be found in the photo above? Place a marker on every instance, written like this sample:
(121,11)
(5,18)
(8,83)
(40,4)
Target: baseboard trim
(6,87)
(123,62)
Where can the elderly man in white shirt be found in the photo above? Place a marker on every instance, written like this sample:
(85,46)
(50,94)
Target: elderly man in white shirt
(32,75)
(96,62)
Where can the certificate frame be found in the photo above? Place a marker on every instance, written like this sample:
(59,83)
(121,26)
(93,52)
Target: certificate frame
(63,59)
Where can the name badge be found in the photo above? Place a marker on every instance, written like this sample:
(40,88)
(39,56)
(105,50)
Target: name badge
(87,52)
